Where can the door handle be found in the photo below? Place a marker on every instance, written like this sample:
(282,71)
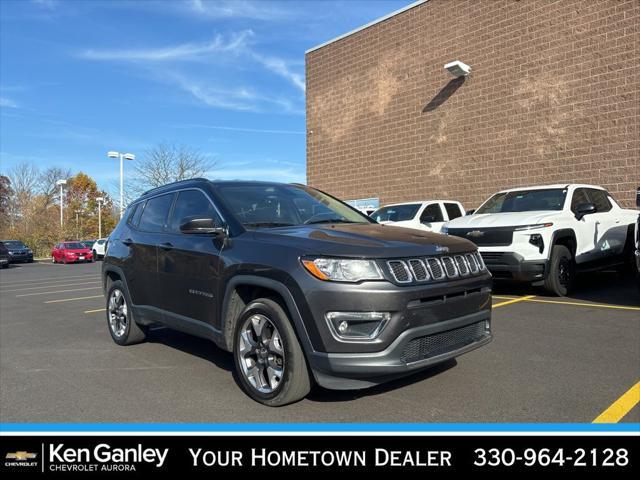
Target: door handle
(127,241)
(166,246)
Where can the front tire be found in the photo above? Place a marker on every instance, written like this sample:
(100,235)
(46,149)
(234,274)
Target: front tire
(560,275)
(120,320)
(270,364)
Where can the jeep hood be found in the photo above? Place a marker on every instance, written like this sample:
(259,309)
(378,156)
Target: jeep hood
(507,219)
(363,240)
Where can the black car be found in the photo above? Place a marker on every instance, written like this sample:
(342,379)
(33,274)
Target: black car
(4,256)
(298,285)
(18,251)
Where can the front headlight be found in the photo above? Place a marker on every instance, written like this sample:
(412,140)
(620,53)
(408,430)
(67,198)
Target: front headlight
(532,227)
(343,270)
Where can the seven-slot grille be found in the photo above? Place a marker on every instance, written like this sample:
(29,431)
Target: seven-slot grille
(436,268)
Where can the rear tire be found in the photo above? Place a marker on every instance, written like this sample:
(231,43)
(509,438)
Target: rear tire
(258,356)
(120,319)
(560,275)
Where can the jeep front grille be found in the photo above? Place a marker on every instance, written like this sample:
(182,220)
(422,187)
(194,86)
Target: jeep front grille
(436,268)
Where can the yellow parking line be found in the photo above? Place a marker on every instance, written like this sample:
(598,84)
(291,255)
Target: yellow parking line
(512,301)
(58,291)
(503,297)
(49,286)
(72,299)
(621,406)
(95,311)
(585,304)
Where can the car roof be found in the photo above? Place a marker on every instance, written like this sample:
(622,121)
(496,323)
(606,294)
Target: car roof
(419,202)
(557,185)
(194,182)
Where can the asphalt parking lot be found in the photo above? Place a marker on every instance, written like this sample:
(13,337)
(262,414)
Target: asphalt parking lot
(552,360)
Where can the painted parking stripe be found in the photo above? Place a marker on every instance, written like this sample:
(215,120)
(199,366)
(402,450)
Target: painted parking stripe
(96,310)
(567,302)
(73,299)
(585,304)
(56,279)
(58,291)
(621,406)
(512,301)
(49,286)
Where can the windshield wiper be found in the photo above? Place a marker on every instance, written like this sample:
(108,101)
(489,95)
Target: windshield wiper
(268,224)
(331,220)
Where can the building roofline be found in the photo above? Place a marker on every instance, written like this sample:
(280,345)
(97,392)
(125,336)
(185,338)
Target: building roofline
(374,22)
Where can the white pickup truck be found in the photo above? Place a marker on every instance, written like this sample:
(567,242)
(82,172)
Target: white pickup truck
(429,215)
(545,234)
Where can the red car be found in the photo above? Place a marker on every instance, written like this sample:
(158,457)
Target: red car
(70,252)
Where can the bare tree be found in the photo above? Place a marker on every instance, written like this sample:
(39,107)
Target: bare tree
(47,184)
(166,163)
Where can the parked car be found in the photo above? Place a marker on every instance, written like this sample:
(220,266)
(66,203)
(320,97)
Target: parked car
(4,256)
(18,251)
(298,285)
(98,248)
(430,215)
(71,252)
(545,234)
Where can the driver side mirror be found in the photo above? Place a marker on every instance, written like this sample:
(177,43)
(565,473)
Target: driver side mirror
(191,225)
(470,212)
(585,209)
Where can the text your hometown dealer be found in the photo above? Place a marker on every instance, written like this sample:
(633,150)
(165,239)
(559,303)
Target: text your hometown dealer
(104,453)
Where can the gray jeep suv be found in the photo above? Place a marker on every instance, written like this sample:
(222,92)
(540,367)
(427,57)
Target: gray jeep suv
(298,285)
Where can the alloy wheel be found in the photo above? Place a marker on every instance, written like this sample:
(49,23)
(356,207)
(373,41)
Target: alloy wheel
(564,272)
(118,313)
(261,354)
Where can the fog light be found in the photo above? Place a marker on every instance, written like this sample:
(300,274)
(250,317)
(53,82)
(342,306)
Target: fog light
(536,239)
(357,325)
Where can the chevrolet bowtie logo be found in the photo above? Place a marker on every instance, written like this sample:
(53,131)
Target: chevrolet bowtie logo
(20,455)
(475,233)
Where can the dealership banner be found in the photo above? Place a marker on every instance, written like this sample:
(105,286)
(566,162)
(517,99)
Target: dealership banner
(110,454)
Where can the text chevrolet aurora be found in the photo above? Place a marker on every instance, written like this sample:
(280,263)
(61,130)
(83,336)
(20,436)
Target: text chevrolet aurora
(299,286)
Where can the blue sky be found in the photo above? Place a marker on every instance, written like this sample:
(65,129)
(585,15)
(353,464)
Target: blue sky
(80,77)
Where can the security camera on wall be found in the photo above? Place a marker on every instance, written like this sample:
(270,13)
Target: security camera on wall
(458,68)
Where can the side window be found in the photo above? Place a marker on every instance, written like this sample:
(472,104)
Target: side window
(131,212)
(155,213)
(453,210)
(134,218)
(433,213)
(579,196)
(599,198)
(191,203)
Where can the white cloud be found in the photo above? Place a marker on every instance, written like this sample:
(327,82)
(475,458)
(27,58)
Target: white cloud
(236,9)
(280,67)
(241,129)
(7,103)
(183,52)
(48,4)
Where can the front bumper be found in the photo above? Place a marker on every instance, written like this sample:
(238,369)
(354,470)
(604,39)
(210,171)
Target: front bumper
(22,257)
(415,349)
(512,266)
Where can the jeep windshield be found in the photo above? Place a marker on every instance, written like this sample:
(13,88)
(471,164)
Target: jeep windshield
(268,206)
(525,201)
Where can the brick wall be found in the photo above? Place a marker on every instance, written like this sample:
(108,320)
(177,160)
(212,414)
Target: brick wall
(553,97)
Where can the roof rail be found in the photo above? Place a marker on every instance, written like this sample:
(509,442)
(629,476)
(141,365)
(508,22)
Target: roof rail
(175,183)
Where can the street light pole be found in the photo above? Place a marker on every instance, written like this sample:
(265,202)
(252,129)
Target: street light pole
(122,157)
(78,223)
(100,200)
(61,184)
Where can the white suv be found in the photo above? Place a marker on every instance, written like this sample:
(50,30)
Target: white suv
(99,248)
(429,215)
(544,234)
